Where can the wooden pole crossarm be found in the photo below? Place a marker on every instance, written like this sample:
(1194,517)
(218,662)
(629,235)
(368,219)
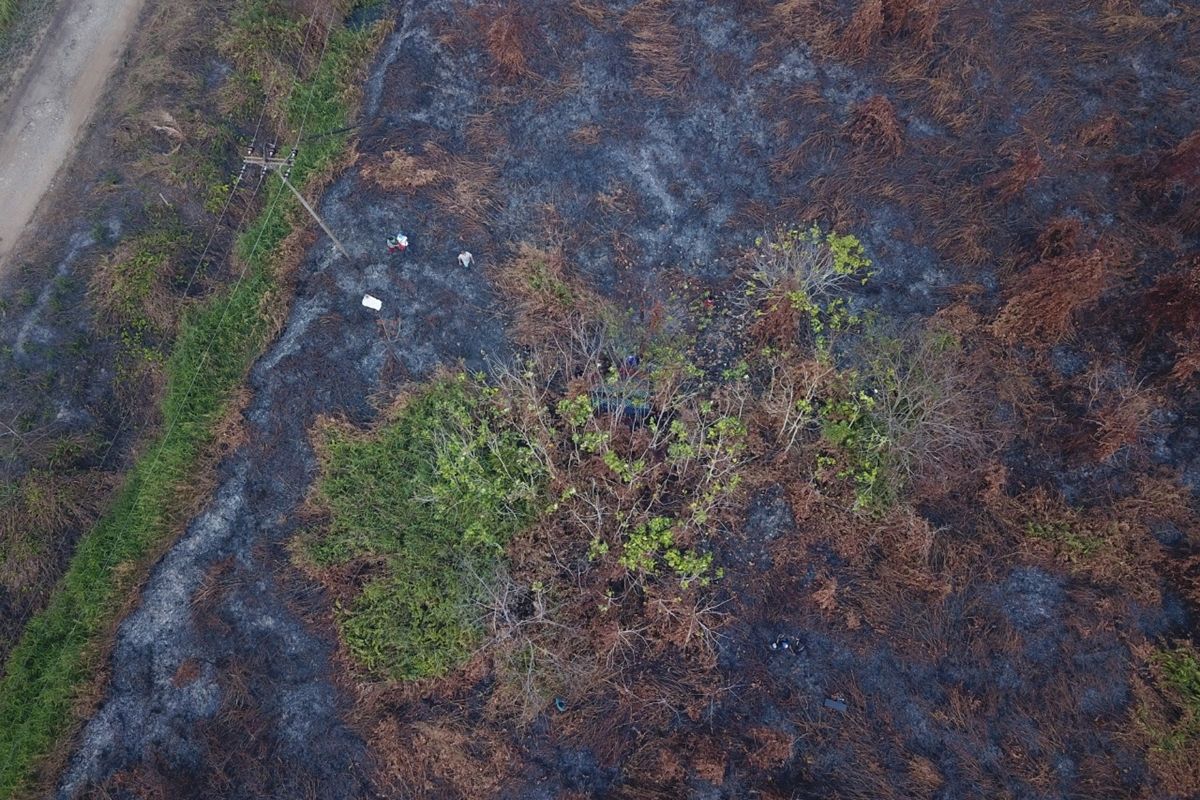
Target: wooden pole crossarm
(310,210)
(278,164)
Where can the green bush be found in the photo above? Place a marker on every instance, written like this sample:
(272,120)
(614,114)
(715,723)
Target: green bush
(418,620)
(903,412)
(436,493)
(806,271)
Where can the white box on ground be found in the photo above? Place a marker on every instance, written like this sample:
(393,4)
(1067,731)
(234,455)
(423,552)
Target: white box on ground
(373,303)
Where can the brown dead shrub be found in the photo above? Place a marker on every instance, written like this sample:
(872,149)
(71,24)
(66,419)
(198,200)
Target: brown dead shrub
(1042,309)
(508,35)
(874,126)
(1025,167)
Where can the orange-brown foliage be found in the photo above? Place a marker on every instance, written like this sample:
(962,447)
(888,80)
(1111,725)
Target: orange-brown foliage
(509,37)
(658,48)
(1043,307)
(874,126)
(1026,167)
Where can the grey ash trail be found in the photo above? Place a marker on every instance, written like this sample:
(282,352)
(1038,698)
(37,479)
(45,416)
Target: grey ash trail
(218,684)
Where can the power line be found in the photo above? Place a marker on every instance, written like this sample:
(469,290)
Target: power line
(283,166)
(277,53)
(241,275)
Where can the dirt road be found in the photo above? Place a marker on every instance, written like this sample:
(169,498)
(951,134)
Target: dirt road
(41,122)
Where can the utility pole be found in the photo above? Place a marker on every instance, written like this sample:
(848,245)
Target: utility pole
(283,168)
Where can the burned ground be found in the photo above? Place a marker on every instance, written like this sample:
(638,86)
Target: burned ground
(74,404)
(1027,174)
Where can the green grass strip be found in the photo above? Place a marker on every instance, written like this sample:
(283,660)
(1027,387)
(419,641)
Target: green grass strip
(54,660)
(8,12)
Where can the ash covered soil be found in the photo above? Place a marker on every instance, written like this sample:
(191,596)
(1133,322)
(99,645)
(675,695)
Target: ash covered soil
(968,146)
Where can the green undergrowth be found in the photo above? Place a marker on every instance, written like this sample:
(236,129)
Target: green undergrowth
(1075,544)
(1180,670)
(435,494)
(899,406)
(8,11)
(55,658)
(608,438)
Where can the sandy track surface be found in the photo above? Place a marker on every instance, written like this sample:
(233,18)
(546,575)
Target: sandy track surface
(43,119)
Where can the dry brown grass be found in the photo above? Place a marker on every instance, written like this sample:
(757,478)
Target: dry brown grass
(1120,412)
(1170,310)
(595,13)
(397,170)
(658,48)
(1102,132)
(586,135)
(1158,725)
(771,748)
(865,28)
(924,776)
(540,293)
(1044,305)
(131,286)
(34,514)
(1187,361)
(510,34)
(441,758)
(874,127)
(462,186)
(791,21)
(1025,168)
